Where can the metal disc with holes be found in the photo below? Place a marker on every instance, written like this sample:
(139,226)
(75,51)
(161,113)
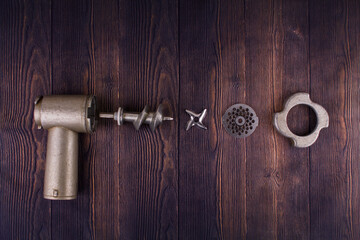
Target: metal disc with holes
(240,120)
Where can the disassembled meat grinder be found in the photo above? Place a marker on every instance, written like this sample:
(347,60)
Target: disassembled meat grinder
(67,115)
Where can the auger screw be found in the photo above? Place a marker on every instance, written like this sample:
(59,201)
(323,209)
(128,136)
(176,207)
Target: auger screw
(153,119)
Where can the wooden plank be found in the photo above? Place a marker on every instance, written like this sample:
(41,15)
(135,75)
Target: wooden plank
(334,58)
(104,186)
(261,163)
(353,112)
(25,74)
(276,67)
(73,73)
(227,87)
(198,211)
(290,74)
(148,75)
(212,163)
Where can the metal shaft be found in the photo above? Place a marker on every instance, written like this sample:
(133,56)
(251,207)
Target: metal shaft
(106,115)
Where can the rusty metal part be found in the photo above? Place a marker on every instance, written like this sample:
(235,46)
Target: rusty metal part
(280,120)
(196,119)
(64,116)
(154,119)
(240,120)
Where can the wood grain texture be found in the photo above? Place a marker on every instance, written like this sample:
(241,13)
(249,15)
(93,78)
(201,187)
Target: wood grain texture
(290,74)
(105,190)
(172,183)
(198,198)
(261,163)
(25,72)
(334,62)
(73,73)
(211,163)
(148,163)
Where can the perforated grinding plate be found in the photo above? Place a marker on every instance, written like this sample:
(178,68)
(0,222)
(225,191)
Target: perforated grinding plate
(240,120)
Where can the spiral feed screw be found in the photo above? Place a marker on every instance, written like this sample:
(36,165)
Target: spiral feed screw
(154,119)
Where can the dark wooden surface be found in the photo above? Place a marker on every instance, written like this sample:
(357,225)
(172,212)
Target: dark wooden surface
(173,184)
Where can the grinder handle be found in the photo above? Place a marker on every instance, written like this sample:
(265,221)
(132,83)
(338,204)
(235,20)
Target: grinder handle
(61,170)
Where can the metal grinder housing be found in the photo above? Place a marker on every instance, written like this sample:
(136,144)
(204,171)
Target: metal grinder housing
(64,116)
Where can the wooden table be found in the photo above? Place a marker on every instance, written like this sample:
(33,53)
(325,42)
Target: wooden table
(173,184)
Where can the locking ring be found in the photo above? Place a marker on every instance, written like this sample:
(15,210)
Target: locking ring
(280,118)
